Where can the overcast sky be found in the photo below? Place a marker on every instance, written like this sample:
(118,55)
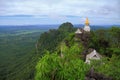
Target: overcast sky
(30,12)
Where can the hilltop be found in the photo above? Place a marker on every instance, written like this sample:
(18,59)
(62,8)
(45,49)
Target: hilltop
(61,55)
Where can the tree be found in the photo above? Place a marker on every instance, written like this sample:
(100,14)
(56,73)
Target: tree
(115,36)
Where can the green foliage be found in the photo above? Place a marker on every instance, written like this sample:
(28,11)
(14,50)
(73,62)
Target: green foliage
(54,67)
(69,67)
(106,42)
(51,39)
(115,36)
(108,66)
(17,54)
(66,27)
(72,51)
(46,67)
(18,58)
(70,39)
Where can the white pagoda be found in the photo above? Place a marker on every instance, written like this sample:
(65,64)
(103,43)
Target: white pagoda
(87,27)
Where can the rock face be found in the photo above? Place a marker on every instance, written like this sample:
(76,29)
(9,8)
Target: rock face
(83,36)
(92,75)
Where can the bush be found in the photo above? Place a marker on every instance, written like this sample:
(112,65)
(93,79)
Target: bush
(55,67)
(109,67)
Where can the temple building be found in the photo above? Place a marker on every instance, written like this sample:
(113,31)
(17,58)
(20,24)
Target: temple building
(78,31)
(94,55)
(85,29)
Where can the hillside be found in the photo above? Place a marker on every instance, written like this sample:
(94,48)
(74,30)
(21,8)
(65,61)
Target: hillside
(58,53)
(17,52)
(62,55)
(50,40)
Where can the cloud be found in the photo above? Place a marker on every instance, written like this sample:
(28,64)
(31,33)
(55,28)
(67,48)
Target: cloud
(61,9)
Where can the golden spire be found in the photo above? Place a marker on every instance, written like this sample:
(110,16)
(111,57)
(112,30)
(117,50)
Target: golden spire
(87,21)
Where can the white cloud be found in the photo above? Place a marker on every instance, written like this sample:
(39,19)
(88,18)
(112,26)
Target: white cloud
(59,9)
(63,7)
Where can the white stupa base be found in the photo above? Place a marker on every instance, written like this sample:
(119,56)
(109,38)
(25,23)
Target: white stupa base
(87,28)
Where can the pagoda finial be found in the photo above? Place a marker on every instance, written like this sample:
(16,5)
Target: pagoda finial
(87,21)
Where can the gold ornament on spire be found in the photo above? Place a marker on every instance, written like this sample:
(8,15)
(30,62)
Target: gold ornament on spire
(87,21)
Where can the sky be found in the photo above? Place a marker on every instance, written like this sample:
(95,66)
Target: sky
(34,12)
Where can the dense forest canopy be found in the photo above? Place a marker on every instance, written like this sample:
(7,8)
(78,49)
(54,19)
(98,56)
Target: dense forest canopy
(106,41)
(50,40)
(17,52)
(56,55)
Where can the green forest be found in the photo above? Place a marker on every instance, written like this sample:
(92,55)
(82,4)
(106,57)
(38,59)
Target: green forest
(61,57)
(17,53)
(55,54)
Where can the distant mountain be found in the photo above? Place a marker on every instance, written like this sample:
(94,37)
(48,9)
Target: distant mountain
(47,27)
(95,27)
